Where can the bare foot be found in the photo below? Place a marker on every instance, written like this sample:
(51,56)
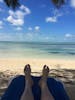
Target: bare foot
(27,71)
(43,80)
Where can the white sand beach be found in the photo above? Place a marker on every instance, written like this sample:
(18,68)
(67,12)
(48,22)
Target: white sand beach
(17,64)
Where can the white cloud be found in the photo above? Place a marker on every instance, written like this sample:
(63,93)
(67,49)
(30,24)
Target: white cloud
(51,19)
(69,35)
(56,14)
(25,9)
(17,18)
(30,28)
(72,3)
(16,22)
(19,28)
(37,28)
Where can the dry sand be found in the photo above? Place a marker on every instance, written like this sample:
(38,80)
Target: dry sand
(18,64)
(71,91)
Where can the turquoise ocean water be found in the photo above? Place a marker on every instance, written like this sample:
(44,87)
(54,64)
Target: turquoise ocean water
(37,50)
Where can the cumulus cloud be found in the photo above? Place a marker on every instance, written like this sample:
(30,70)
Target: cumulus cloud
(56,14)
(18,28)
(37,28)
(25,9)
(16,22)
(51,19)
(72,3)
(17,18)
(69,35)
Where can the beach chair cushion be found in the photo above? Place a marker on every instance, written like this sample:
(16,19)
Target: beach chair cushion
(16,88)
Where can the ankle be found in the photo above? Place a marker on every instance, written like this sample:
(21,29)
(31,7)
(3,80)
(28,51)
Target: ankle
(42,84)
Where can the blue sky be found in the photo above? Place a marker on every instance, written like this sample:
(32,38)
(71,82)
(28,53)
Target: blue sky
(38,20)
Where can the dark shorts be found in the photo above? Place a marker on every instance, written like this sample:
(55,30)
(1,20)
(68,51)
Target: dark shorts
(16,88)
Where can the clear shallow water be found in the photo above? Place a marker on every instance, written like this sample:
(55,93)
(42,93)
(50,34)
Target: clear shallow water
(37,50)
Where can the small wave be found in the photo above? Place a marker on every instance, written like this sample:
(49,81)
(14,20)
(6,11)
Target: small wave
(55,52)
(71,53)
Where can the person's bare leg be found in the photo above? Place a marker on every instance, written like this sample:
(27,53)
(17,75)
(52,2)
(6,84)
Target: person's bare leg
(27,94)
(45,93)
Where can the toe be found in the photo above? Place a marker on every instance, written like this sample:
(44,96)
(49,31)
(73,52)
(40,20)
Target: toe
(27,68)
(44,66)
(45,70)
